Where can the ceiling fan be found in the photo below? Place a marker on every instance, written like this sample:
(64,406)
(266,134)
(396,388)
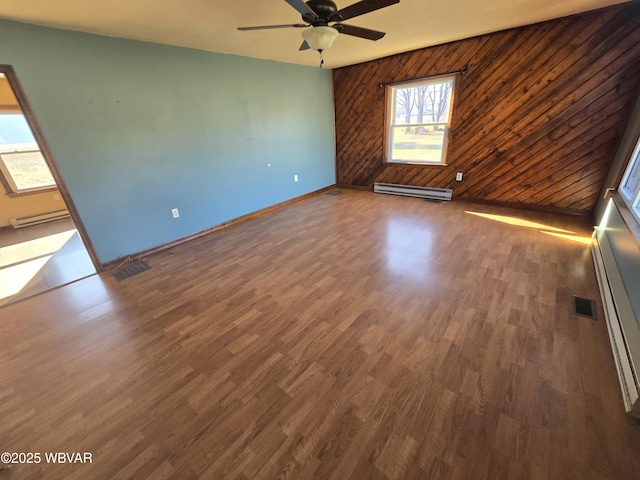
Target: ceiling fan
(318,14)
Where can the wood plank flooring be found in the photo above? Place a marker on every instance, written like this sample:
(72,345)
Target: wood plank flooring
(356,336)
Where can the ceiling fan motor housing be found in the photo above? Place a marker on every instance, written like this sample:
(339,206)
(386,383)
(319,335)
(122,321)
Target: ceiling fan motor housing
(325,11)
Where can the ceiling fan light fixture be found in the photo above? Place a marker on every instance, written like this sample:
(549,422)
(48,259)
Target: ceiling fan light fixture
(320,38)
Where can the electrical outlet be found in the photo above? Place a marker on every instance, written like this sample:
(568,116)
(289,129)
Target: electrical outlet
(295,178)
(175,212)
(459,176)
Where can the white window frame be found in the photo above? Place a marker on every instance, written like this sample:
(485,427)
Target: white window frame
(630,193)
(391,117)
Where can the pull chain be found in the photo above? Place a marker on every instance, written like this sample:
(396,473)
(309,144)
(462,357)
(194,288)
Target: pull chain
(321,58)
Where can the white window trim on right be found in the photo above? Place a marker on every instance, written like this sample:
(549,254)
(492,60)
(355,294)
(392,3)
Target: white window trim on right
(443,123)
(630,185)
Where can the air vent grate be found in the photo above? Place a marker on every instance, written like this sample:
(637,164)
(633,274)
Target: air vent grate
(130,271)
(584,307)
(334,193)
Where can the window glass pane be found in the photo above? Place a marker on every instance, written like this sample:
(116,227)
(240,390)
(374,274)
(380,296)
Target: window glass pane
(403,105)
(28,169)
(632,176)
(20,154)
(417,144)
(636,206)
(15,129)
(424,103)
(438,100)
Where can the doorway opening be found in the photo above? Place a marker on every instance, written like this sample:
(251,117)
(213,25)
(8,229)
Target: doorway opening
(42,242)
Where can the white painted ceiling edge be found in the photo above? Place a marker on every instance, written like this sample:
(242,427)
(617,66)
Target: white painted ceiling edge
(212,24)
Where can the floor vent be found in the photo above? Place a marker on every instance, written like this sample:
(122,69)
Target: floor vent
(412,191)
(584,307)
(130,271)
(334,193)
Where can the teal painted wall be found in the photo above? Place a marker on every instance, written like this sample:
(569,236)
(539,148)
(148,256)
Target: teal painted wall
(137,129)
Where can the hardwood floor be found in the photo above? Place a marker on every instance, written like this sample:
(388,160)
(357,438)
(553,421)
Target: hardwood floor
(353,336)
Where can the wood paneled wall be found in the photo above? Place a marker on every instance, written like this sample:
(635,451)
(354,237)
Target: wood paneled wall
(537,117)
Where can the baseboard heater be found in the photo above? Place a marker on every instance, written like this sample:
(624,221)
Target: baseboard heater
(412,191)
(621,322)
(39,218)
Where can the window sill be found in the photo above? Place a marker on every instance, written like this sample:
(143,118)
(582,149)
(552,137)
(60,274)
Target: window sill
(414,164)
(32,191)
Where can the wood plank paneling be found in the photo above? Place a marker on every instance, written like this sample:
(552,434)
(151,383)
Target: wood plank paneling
(537,117)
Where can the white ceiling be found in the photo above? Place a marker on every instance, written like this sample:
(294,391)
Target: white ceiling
(212,24)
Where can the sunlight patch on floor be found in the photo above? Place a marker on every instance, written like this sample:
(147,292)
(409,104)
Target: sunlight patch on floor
(14,278)
(546,229)
(519,222)
(573,238)
(21,262)
(23,251)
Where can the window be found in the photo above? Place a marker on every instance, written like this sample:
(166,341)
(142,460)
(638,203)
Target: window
(419,120)
(23,169)
(630,185)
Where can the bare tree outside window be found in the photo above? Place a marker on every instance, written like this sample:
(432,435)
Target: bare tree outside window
(438,94)
(405,102)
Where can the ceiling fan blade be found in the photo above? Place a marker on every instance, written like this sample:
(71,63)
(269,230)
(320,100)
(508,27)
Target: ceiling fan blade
(304,46)
(305,10)
(359,31)
(360,8)
(266,27)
